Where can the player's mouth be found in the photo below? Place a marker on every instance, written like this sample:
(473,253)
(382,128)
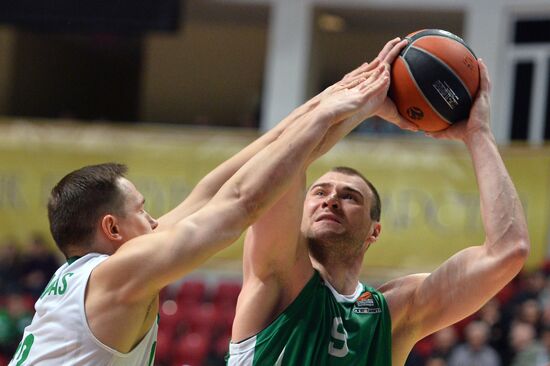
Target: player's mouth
(328,217)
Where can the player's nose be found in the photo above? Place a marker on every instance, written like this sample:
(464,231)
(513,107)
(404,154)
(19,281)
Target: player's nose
(331,201)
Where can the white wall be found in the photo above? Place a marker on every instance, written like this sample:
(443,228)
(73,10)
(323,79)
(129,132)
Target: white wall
(487,29)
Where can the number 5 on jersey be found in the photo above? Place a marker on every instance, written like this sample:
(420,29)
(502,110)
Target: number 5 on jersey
(338,346)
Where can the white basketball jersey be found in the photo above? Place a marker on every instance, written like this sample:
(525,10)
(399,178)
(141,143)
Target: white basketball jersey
(59,334)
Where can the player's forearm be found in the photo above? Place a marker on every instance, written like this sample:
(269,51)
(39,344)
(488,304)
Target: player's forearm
(241,200)
(212,182)
(269,173)
(501,209)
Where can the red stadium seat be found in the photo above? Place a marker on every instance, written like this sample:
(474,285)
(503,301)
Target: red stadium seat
(221,345)
(202,318)
(226,314)
(170,319)
(163,353)
(191,292)
(227,293)
(190,349)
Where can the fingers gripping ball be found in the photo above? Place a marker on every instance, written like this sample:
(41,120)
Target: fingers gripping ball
(434,80)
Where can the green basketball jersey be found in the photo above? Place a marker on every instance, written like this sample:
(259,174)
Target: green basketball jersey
(322,327)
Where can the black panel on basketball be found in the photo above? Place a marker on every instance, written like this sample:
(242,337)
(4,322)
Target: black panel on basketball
(438,33)
(437,74)
(440,86)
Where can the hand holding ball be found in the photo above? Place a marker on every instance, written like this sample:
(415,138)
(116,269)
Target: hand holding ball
(434,80)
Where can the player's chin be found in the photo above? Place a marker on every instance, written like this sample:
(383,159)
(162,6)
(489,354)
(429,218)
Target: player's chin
(329,232)
(329,226)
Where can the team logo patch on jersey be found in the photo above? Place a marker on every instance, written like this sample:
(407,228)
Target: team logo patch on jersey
(366,304)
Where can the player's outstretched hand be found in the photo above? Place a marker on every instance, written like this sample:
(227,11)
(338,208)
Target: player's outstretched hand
(386,108)
(480,114)
(360,94)
(363,71)
(386,55)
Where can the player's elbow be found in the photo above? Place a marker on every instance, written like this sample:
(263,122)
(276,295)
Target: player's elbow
(521,250)
(512,247)
(517,253)
(520,244)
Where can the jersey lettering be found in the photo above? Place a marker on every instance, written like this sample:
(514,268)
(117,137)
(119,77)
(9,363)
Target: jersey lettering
(63,286)
(55,288)
(23,350)
(338,346)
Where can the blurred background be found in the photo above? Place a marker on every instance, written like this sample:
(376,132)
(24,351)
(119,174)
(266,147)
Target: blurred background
(174,87)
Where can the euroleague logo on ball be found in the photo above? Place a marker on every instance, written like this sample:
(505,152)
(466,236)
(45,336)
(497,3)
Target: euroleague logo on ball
(469,63)
(415,113)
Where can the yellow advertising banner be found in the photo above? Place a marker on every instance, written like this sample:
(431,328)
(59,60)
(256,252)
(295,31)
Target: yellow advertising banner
(430,202)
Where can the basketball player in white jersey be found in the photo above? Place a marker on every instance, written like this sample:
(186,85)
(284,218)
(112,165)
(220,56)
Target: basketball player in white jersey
(100,308)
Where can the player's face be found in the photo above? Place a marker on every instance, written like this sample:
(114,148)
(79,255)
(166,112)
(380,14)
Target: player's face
(135,221)
(337,206)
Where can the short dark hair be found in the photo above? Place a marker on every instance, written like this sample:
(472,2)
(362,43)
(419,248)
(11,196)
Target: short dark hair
(376,206)
(80,198)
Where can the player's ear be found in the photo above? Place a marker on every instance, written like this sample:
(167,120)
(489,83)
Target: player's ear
(110,227)
(376,228)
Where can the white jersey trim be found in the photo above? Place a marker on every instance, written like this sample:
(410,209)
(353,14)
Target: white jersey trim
(242,353)
(345,298)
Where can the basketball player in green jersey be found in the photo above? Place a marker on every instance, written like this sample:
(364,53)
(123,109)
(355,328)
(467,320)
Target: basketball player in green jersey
(301,301)
(101,307)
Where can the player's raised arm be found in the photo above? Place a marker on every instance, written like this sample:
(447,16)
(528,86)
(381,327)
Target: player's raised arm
(152,261)
(211,183)
(276,260)
(422,304)
(386,110)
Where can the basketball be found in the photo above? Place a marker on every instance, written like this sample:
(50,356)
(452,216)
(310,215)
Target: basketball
(434,80)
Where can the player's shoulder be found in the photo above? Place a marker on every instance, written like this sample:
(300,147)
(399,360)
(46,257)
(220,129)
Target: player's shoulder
(400,292)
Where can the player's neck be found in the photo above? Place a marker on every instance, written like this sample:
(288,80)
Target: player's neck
(79,252)
(97,247)
(339,262)
(343,276)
